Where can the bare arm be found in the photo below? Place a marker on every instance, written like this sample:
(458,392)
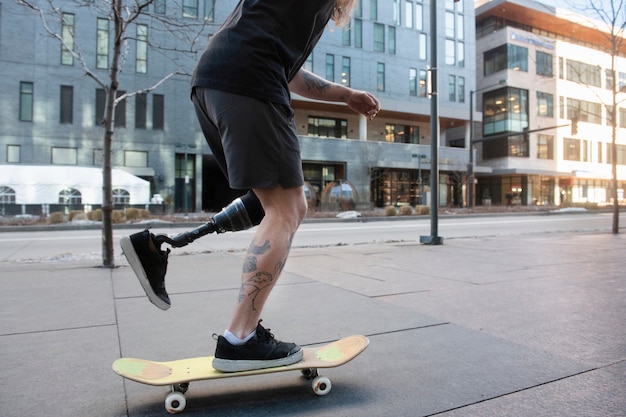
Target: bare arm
(312,86)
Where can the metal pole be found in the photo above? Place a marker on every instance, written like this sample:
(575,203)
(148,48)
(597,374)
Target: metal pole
(185,181)
(433,239)
(470,166)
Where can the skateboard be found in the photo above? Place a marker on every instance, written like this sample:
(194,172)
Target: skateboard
(179,373)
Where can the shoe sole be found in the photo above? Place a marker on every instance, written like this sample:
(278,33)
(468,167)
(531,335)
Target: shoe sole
(228,365)
(135,264)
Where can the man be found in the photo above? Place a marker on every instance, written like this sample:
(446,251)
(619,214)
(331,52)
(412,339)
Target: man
(241,92)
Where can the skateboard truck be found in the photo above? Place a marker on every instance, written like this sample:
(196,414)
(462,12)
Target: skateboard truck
(241,214)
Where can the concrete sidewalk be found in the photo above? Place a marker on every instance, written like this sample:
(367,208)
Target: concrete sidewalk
(503,326)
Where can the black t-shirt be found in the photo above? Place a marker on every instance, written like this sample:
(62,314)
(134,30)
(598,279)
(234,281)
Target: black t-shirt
(261,46)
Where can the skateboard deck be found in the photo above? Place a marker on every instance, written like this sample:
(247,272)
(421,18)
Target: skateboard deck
(179,373)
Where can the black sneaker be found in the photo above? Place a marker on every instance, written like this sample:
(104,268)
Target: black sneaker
(149,263)
(262,351)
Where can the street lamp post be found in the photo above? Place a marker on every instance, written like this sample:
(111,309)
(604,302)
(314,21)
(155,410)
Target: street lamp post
(185,170)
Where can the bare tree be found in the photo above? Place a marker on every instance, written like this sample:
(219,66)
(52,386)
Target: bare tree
(123,14)
(608,17)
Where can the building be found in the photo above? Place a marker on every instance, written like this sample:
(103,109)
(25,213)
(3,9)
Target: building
(50,108)
(546,74)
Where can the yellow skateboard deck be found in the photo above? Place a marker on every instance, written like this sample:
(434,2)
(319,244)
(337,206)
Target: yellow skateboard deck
(179,373)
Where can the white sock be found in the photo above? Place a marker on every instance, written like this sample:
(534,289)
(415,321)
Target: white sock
(234,340)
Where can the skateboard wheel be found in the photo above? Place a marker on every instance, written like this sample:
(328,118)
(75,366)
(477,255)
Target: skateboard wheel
(175,402)
(321,385)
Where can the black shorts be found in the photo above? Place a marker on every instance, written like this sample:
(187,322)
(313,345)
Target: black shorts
(254,142)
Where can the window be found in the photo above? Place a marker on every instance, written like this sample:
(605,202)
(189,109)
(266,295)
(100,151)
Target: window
(583,73)
(345,36)
(622,118)
(358,33)
(585,150)
(544,64)
(7,195)
(345,71)
(571,149)
(308,64)
(413,82)
(67,34)
(158,111)
(159,6)
(545,146)
(137,159)
(622,82)
(379,37)
(505,110)
(461,89)
(450,24)
(67,105)
(609,79)
(460,54)
(620,157)
(380,76)
(423,52)
(102,44)
(452,87)
(190,9)
(450,52)
(584,111)
(26,101)
(402,133)
(396,12)
(64,156)
(423,83)
(373,9)
(141,110)
(121,196)
(209,10)
(419,17)
(545,105)
(506,57)
(70,196)
(13,154)
(599,152)
(325,127)
(120,109)
(408,14)
(392,39)
(330,67)
(141,57)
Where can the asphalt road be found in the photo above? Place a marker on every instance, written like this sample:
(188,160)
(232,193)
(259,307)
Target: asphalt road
(68,245)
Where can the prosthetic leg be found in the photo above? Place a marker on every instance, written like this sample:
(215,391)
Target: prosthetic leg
(241,214)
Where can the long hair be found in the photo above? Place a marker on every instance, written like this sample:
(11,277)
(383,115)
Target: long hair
(341,13)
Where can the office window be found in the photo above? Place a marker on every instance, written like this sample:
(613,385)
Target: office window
(141,56)
(136,159)
(545,146)
(358,33)
(413,82)
(67,105)
(345,71)
(209,10)
(396,12)
(460,54)
(330,67)
(600,148)
(622,118)
(26,101)
(141,110)
(450,52)
(419,16)
(67,34)
(622,82)
(460,27)
(571,149)
(64,156)
(13,154)
(102,44)
(345,36)
(506,57)
(461,89)
(423,83)
(505,110)
(326,127)
(392,39)
(373,9)
(159,6)
(545,105)
(584,111)
(358,8)
(583,73)
(402,133)
(380,76)
(544,64)
(158,111)
(450,24)
(120,109)
(452,87)
(423,50)
(408,14)
(379,37)
(609,79)
(190,9)
(308,64)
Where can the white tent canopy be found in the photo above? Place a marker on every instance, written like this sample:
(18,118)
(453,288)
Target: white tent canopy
(34,184)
